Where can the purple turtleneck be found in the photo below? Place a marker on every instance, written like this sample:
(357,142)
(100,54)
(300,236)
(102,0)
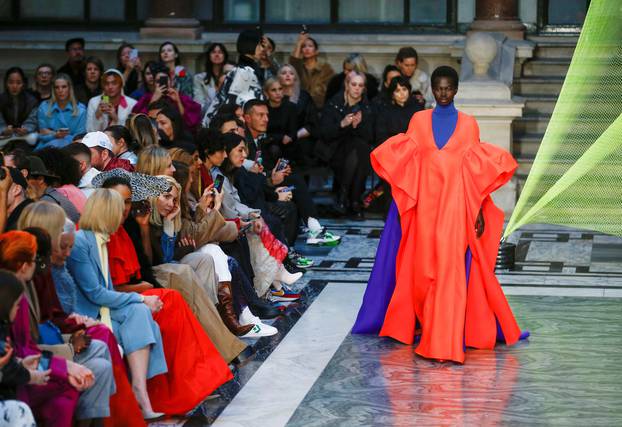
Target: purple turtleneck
(444,120)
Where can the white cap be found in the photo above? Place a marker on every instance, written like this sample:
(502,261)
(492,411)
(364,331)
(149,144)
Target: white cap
(97,139)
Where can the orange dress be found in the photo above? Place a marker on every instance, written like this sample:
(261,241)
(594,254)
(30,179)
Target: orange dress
(195,367)
(439,194)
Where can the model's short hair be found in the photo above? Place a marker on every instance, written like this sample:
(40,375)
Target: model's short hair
(46,215)
(445,71)
(153,160)
(103,211)
(406,52)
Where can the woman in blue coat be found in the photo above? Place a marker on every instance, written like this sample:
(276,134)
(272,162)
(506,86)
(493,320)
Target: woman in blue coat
(127,314)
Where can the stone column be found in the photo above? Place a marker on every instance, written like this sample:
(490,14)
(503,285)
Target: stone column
(498,16)
(171,19)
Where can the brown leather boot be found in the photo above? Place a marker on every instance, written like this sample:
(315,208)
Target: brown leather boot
(226,311)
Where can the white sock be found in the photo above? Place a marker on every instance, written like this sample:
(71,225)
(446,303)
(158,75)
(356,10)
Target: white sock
(314,224)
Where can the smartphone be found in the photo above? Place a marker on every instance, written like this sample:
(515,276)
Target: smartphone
(355,109)
(133,54)
(105,98)
(247,227)
(218,182)
(163,81)
(141,208)
(305,29)
(2,342)
(282,164)
(258,156)
(44,361)
(287,189)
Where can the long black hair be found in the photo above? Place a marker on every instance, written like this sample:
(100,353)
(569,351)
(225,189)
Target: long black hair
(25,102)
(209,69)
(120,131)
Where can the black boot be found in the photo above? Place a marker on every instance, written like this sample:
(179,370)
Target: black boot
(342,205)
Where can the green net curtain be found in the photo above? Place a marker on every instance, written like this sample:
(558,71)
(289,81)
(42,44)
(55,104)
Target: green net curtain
(576,178)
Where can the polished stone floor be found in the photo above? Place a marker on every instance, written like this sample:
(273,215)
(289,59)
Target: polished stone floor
(566,289)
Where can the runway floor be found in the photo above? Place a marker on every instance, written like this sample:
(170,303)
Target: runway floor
(566,290)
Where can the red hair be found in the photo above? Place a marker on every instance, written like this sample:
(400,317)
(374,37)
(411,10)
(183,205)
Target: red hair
(16,248)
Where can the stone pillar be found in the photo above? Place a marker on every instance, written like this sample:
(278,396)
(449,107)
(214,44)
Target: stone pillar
(171,19)
(490,102)
(498,16)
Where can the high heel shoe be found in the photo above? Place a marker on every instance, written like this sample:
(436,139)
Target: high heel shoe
(152,416)
(286,277)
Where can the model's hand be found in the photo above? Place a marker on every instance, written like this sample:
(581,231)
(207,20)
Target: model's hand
(479,224)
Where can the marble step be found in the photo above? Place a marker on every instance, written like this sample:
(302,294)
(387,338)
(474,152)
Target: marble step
(526,144)
(531,124)
(550,85)
(555,49)
(546,67)
(539,103)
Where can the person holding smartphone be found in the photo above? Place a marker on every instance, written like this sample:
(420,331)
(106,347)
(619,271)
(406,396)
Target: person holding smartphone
(347,128)
(164,92)
(112,107)
(129,63)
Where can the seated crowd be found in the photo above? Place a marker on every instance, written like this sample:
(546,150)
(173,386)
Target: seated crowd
(144,211)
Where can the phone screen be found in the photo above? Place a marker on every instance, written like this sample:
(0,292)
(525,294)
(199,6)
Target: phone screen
(163,81)
(105,98)
(218,182)
(44,361)
(133,54)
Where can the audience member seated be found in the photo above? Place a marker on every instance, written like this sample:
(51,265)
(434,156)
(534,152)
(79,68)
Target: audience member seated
(42,84)
(257,120)
(192,376)
(80,347)
(112,107)
(18,159)
(14,372)
(124,409)
(245,81)
(180,277)
(182,80)
(61,117)
(306,113)
(123,145)
(155,160)
(384,97)
(40,185)
(102,152)
(61,164)
(82,154)
(394,117)
(189,110)
(131,67)
(54,398)
(268,66)
(314,75)
(171,130)
(16,199)
(407,61)
(128,314)
(147,81)
(356,62)
(282,130)
(142,130)
(74,67)
(347,126)
(206,84)
(18,109)
(92,85)
(267,253)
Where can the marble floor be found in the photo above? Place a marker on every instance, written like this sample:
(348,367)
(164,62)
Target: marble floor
(566,289)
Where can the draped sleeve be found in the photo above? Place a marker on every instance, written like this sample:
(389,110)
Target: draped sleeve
(486,168)
(397,161)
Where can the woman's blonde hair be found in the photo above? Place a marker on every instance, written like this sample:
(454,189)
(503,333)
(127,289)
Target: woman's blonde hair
(156,218)
(103,211)
(72,96)
(153,160)
(180,155)
(296,91)
(357,61)
(46,215)
(142,130)
(268,84)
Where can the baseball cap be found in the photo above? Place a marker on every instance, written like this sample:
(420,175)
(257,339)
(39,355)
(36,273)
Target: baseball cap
(18,178)
(97,139)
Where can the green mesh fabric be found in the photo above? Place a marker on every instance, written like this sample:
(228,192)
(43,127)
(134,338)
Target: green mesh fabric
(576,177)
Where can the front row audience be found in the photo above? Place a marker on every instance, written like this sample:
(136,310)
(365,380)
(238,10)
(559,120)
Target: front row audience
(134,257)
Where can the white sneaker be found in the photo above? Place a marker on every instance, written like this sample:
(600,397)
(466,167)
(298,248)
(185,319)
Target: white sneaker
(259,329)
